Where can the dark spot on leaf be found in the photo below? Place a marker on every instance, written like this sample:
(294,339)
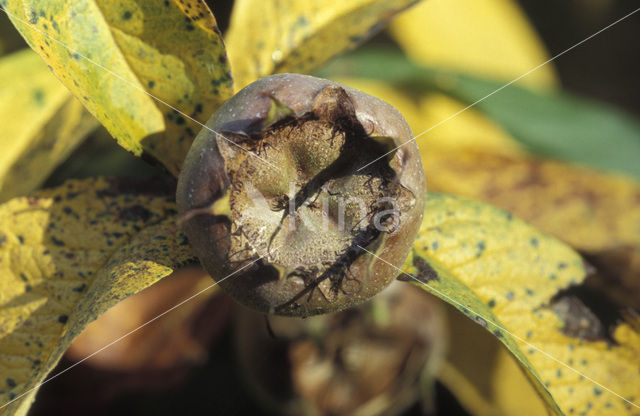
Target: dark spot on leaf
(491,303)
(57,242)
(11,382)
(434,245)
(151,84)
(562,265)
(497,333)
(529,292)
(27,288)
(20,239)
(534,242)
(24,277)
(587,314)
(481,247)
(481,321)
(597,391)
(425,271)
(126,15)
(63,319)
(510,296)
(80,288)
(135,213)
(38,95)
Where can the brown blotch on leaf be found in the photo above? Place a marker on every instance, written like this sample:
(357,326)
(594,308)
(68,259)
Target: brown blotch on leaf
(134,213)
(586,314)
(426,273)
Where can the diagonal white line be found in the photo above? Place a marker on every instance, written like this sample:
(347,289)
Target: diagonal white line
(506,330)
(505,86)
(136,329)
(136,87)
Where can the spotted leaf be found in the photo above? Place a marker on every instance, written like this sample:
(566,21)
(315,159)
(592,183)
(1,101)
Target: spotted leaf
(596,213)
(66,256)
(274,36)
(116,56)
(503,274)
(41,123)
(482,374)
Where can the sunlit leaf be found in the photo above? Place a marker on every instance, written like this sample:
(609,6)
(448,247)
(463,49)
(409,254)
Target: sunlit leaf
(41,123)
(114,53)
(483,375)
(596,213)
(502,273)
(553,124)
(591,211)
(66,256)
(470,129)
(490,38)
(274,36)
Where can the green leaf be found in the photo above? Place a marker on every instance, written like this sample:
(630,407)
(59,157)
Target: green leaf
(41,123)
(111,55)
(66,256)
(503,274)
(275,36)
(555,124)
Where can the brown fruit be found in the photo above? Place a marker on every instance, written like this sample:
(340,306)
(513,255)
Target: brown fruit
(374,359)
(282,201)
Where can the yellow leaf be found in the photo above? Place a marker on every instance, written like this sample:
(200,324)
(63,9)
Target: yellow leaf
(596,213)
(502,273)
(489,38)
(66,256)
(270,36)
(111,54)
(591,211)
(468,129)
(483,375)
(41,123)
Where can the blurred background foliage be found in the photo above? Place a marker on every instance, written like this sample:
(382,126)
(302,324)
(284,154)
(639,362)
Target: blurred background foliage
(188,363)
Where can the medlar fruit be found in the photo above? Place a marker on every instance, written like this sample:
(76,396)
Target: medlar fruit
(282,204)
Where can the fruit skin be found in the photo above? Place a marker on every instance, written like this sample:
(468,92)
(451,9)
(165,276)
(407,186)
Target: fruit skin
(204,180)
